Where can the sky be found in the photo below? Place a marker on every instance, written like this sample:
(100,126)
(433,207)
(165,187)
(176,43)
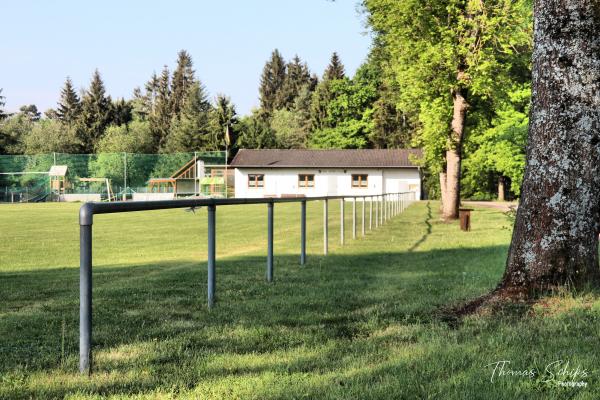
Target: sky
(127,40)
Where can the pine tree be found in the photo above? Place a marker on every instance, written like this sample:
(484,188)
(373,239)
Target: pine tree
(297,76)
(335,69)
(223,120)
(160,119)
(271,82)
(183,79)
(190,131)
(121,112)
(152,92)
(95,113)
(2,102)
(68,110)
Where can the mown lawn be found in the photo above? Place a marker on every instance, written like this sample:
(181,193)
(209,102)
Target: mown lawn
(365,322)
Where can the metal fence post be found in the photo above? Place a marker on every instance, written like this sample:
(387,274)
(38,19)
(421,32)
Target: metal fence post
(371,213)
(85,299)
(354,218)
(325,227)
(376,211)
(303,233)
(212,229)
(342,215)
(363,215)
(270,243)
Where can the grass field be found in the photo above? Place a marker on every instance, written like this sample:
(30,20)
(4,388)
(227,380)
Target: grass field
(365,322)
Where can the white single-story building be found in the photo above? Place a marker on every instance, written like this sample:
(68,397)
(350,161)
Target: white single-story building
(310,173)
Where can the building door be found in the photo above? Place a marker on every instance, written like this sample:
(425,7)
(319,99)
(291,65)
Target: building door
(332,185)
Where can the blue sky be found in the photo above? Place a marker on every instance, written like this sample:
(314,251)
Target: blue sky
(229,40)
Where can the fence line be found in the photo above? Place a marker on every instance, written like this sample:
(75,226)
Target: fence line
(393,203)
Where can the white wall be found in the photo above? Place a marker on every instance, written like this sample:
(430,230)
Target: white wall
(328,182)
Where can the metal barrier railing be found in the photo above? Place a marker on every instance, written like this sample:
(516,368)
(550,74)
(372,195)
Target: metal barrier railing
(386,206)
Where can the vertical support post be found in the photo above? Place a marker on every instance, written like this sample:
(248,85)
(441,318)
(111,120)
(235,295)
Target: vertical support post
(303,233)
(325,227)
(354,218)
(125,176)
(85,299)
(364,199)
(382,209)
(342,215)
(270,243)
(371,213)
(212,229)
(376,211)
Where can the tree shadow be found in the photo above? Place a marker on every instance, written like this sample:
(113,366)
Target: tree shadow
(427,222)
(155,316)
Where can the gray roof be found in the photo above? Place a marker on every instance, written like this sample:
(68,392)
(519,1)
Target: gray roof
(362,158)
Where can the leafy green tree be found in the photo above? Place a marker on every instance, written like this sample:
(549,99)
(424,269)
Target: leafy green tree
(271,82)
(446,56)
(47,136)
(182,82)
(347,115)
(30,112)
(289,130)
(256,133)
(190,131)
(95,113)
(134,137)
(13,130)
(69,106)
(335,69)
(496,157)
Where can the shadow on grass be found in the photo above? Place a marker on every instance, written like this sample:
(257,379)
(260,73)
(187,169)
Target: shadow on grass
(155,316)
(427,222)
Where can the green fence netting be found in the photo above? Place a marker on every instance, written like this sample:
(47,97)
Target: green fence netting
(28,178)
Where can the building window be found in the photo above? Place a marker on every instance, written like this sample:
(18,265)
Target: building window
(306,181)
(256,180)
(360,181)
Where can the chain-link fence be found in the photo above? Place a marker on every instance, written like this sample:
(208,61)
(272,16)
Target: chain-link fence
(113,176)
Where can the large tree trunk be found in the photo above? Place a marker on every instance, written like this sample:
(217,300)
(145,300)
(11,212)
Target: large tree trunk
(501,188)
(555,240)
(442,190)
(451,199)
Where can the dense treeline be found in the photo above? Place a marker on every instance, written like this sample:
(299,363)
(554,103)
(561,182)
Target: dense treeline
(172,113)
(452,78)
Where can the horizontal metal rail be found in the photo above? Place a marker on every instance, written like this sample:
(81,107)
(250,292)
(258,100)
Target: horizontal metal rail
(388,203)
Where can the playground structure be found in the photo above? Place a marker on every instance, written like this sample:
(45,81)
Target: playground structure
(194,178)
(110,196)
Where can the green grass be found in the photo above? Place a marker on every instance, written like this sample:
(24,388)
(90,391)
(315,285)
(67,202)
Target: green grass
(364,322)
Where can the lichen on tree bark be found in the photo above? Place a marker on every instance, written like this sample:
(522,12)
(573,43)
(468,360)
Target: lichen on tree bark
(555,240)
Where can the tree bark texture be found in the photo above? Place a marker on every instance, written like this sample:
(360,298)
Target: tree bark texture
(501,188)
(454,156)
(555,240)
(442,190)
